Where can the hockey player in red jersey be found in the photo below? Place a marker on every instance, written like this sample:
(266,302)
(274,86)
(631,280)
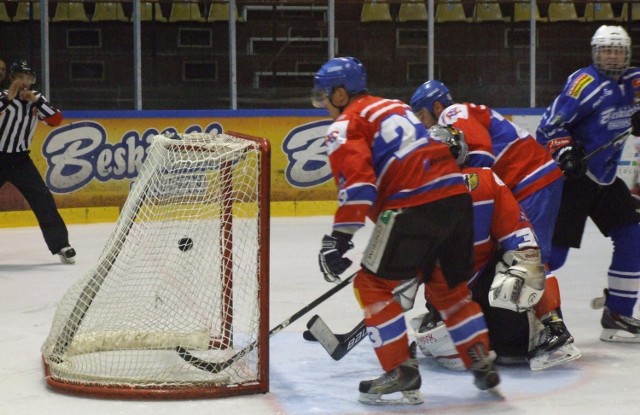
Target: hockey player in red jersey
(387,168)
(527,170)
(508,275)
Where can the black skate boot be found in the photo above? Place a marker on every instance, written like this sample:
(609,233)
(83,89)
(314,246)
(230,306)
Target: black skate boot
(484,372)
(404,379)
(430,320)
(619,328)
(67,255)
(555,344)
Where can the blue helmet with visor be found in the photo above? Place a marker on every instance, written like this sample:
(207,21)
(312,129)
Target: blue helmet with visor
(346,72)
(428,94)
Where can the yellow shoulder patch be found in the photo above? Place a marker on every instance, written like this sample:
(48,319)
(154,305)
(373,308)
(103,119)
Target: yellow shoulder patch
(578,85)
(471,180)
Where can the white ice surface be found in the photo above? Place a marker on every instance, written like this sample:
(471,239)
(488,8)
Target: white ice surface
(304,379)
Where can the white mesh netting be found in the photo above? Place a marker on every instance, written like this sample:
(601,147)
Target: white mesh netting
(180,269)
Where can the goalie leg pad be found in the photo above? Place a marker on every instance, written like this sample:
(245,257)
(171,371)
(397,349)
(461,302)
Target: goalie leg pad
(437,342)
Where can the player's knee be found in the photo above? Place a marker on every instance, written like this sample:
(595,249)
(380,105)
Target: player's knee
(557,257)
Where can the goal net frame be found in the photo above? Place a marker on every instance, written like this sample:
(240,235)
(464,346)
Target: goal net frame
(240,355)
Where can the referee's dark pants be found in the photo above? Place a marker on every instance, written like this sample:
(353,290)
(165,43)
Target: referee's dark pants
(19,170)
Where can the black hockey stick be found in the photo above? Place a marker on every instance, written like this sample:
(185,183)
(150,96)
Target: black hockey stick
(217,367)
(635,130)
(621,137)
(337,345)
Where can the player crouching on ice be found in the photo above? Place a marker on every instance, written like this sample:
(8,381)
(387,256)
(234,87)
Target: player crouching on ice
(508,278)
(388,168)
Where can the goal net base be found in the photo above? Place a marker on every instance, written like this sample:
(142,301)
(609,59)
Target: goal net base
(177,305)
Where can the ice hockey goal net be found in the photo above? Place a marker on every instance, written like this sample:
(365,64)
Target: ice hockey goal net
(177,303)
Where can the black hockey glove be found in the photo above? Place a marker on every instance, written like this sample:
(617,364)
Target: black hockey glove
(570,161)
(331,257)
(635,123)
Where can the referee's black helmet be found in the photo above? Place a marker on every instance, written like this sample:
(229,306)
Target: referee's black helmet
(21,66)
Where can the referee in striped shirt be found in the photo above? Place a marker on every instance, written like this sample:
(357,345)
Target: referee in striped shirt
(20,109)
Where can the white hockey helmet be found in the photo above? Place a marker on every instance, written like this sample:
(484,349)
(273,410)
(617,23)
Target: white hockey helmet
(611,50)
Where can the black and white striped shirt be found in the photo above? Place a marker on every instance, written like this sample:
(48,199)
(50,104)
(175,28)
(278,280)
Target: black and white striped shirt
(18,120)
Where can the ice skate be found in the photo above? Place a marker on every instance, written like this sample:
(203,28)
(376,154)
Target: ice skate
(404,379)
(619,328)
(484,372)
(67,255)
(555,345)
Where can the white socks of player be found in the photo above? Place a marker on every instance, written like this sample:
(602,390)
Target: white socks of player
(404,379)
(67,255)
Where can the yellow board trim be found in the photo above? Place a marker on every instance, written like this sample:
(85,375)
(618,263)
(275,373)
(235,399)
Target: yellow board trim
(72,216)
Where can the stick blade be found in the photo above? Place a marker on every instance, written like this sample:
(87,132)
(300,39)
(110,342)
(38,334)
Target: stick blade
(319,329)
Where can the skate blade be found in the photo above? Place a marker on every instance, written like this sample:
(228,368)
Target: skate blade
(412,397)
(564,354)
(619,336)
(496,392)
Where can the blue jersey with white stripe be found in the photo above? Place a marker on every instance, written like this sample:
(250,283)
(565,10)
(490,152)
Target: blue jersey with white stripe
(591,110)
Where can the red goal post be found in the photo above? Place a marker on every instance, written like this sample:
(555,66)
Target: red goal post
(186,268)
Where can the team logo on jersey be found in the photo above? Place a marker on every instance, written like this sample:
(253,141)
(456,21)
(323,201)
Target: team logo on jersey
(579,84)
(452,113)
(471,180)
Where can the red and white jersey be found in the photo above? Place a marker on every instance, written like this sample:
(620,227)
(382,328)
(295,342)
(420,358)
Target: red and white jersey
(382,157)
(498,220)
(515,156)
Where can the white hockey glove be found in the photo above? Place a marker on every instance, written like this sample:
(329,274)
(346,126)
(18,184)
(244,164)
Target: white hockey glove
(519,281)
(437,342)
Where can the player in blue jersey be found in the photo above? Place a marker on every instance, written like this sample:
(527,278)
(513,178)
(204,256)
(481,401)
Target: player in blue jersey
(595,106)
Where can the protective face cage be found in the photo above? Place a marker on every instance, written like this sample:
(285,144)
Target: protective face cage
(611,51)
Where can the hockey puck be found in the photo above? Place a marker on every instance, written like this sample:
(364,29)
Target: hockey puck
(185,244)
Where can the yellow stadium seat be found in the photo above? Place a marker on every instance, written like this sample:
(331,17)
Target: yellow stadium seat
(4,16)
(413,11)
(147,10)
(219,12)
(522,11)
(450,11)
(109,11)
(372,11)
(635,12)
(600,10)
(70,12)
(487,11)
(562,11)
(22,12)
(185,11)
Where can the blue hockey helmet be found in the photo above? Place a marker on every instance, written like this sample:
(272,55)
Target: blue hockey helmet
(346,72)
(428,93)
